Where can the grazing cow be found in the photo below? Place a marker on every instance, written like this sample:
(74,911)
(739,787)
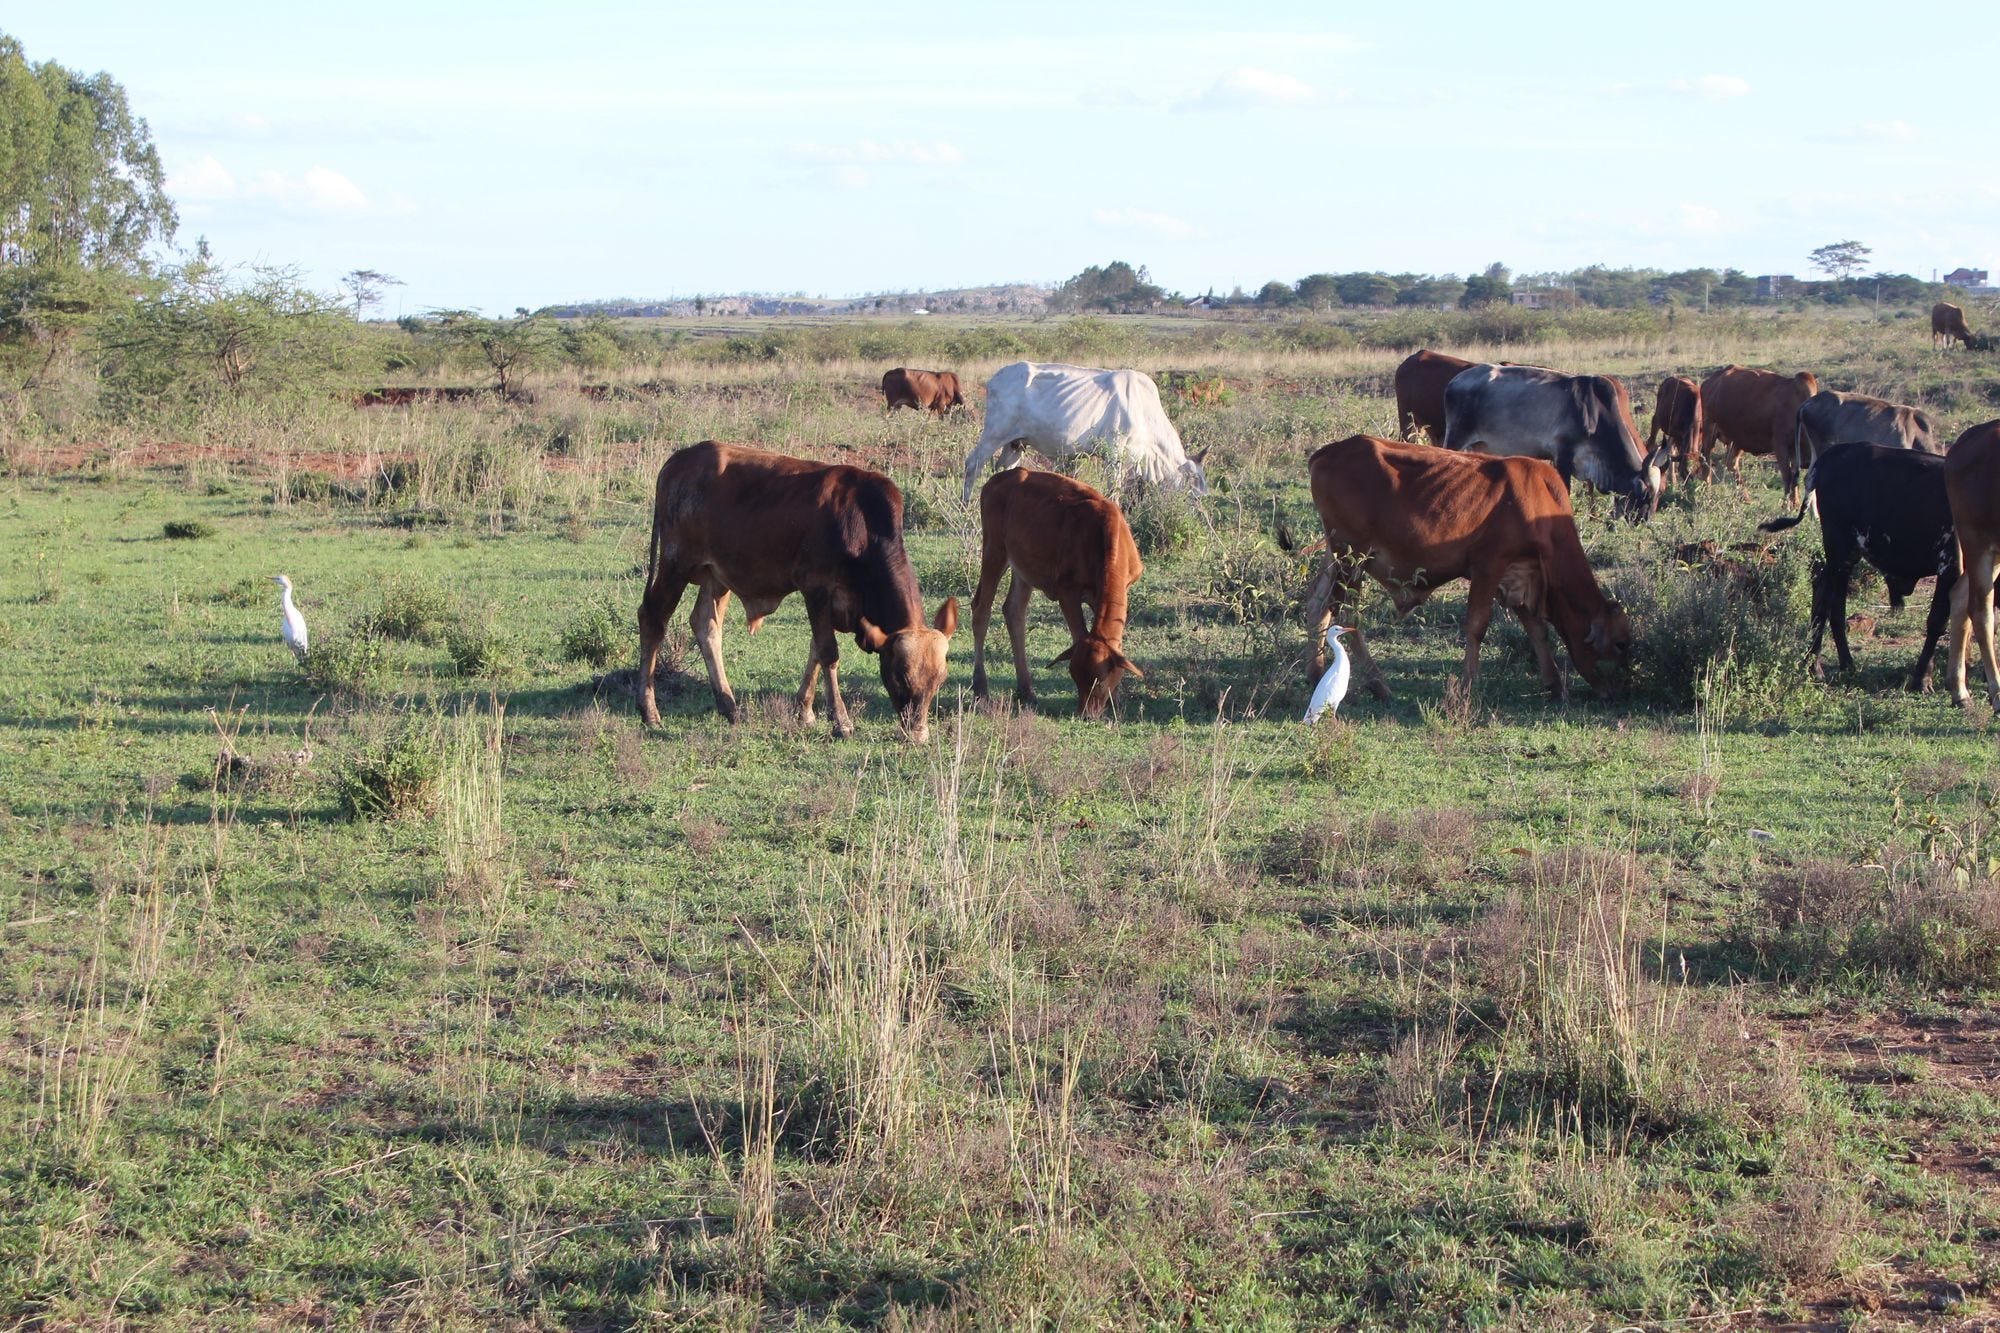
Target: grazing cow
(1948,323)
(1066,410)
(1062,539)
(1415,518)
(1755,412)
(1885,505)
(1581,423)
(1677,421)
(934,391)
(1420,385)
(1972,484)
(1830,417)
(733,519)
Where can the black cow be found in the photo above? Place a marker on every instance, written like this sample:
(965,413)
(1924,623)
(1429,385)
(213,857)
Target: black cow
(1888,507)
(1581,423)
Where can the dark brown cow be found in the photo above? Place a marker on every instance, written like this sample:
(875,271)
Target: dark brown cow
(1677,420)
(1972,484)
(934,391)
(1066,541)
(1420,384)
(733,519)
(1948,324)
(1755,412)
(1414,518)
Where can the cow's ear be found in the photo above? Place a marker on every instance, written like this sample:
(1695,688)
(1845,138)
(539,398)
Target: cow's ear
(1131,667)
(867,637)
(1062,656)
(1198,455)
(947,617)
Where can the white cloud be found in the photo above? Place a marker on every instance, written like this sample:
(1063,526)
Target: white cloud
(205,178)
(1872,132)
(849,177)
(1699,218)
(1163,225)
(1711,87)
(320,189)
(1245,88)
(911,152)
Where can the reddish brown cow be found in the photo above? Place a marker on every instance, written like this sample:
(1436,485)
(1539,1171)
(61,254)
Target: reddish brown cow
(1414,518)
(1677,420)
(1972,483)
(1062,539)
(934,391)
(733,519)
(1948,324)
(1420,384)
(1755,412)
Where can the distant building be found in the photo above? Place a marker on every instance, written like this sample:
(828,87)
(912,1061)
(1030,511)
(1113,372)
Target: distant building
(1546,298)
(1771,285)
(1970,278)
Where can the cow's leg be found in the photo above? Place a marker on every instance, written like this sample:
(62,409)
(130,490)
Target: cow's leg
(1833,609)
(992,564)
(1788,468)
(1546,665)
(706,622)
(1019,590)
(976,460)
(1934,625)
(821,648)
(826,650)
(655,609)
(1478,615)
(1978,580)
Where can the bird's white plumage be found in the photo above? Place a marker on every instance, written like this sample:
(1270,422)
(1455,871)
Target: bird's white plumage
(1332,687)
(295,624)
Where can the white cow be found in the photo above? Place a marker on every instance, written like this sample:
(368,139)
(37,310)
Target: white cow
(1066,410)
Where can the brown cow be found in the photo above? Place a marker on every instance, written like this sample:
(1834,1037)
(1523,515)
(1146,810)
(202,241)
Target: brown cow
(1064,540)
(1415,518)
(1755,412)
(1972,483)
(1420,384)
(934,391)
(1677,420)
(734,519)
(1948,323)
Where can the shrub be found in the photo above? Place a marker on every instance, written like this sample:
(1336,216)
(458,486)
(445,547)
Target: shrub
(414,607)
(397,775)
(1162,519)
(1932,922)
(598,635)
(480,648)
(346,661)
(1725,632)
(189,529)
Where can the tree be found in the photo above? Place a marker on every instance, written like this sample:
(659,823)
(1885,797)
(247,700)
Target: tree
(1272,295)
(364,286)
(1319,291)
(1117,288)
(508,346)
(1841,259)
(1365,288)
(1494,286)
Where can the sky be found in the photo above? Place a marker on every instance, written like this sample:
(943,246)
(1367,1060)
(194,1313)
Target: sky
(506,154)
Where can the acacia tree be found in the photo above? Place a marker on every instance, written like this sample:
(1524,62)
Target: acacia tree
(364,286)
(1841,259)
(508,346)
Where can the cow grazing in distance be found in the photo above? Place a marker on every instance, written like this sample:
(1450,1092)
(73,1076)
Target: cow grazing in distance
(1948,325)
(1755,412)
(1830,417)
(1062,539)
(933,391)
(1972,485)
(1677,421)
(1414,518)
(1581,423)
(1420,385)
(1061,411)
(733,519)
(1886,505)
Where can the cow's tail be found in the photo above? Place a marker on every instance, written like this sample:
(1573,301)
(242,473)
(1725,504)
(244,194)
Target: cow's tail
(1806,502)
(653,544)
(1799,463)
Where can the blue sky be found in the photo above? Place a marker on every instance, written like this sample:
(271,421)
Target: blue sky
(511,154)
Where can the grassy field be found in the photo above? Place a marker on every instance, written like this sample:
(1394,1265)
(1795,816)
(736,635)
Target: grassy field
(419,987)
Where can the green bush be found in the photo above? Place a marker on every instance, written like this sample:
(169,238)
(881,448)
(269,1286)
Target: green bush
(397,775)
(478,647)
(1934,923)
(598,635)
(189,529)
(1725,633)
(1163,520)
(415,607)
(346,662)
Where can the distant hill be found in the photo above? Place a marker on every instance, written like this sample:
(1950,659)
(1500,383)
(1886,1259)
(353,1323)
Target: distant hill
(1019,298)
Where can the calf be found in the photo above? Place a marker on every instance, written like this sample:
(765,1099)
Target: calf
(1414,518)
(1677,423)
(1062,539)
(1948,325)
(1972,484)
(1886,506)
(733,519)
(1420,384)
(1755,412)
(934,391)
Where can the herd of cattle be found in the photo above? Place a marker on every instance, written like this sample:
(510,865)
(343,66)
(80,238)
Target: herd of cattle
(1491,506)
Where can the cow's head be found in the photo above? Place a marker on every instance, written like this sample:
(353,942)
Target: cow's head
(1191,474)
(1096,667)
(1608,639)
(1649,483)
(913,665)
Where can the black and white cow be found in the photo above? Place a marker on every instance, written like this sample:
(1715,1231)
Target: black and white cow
(1581,423)
(1886,506)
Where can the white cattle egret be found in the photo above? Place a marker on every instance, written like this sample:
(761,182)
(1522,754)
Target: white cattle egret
(1332,687)
(295,624)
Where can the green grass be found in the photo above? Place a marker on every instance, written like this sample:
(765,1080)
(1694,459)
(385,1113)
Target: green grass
(1451,1013)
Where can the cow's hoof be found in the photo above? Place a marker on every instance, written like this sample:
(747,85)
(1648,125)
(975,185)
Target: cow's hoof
(842,730)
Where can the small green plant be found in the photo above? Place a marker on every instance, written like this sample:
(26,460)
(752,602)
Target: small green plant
(417,608)
(345,662)
(478,647)
(597,636)
(399,774)
(1163,520)
(1732,625)
(189,529)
